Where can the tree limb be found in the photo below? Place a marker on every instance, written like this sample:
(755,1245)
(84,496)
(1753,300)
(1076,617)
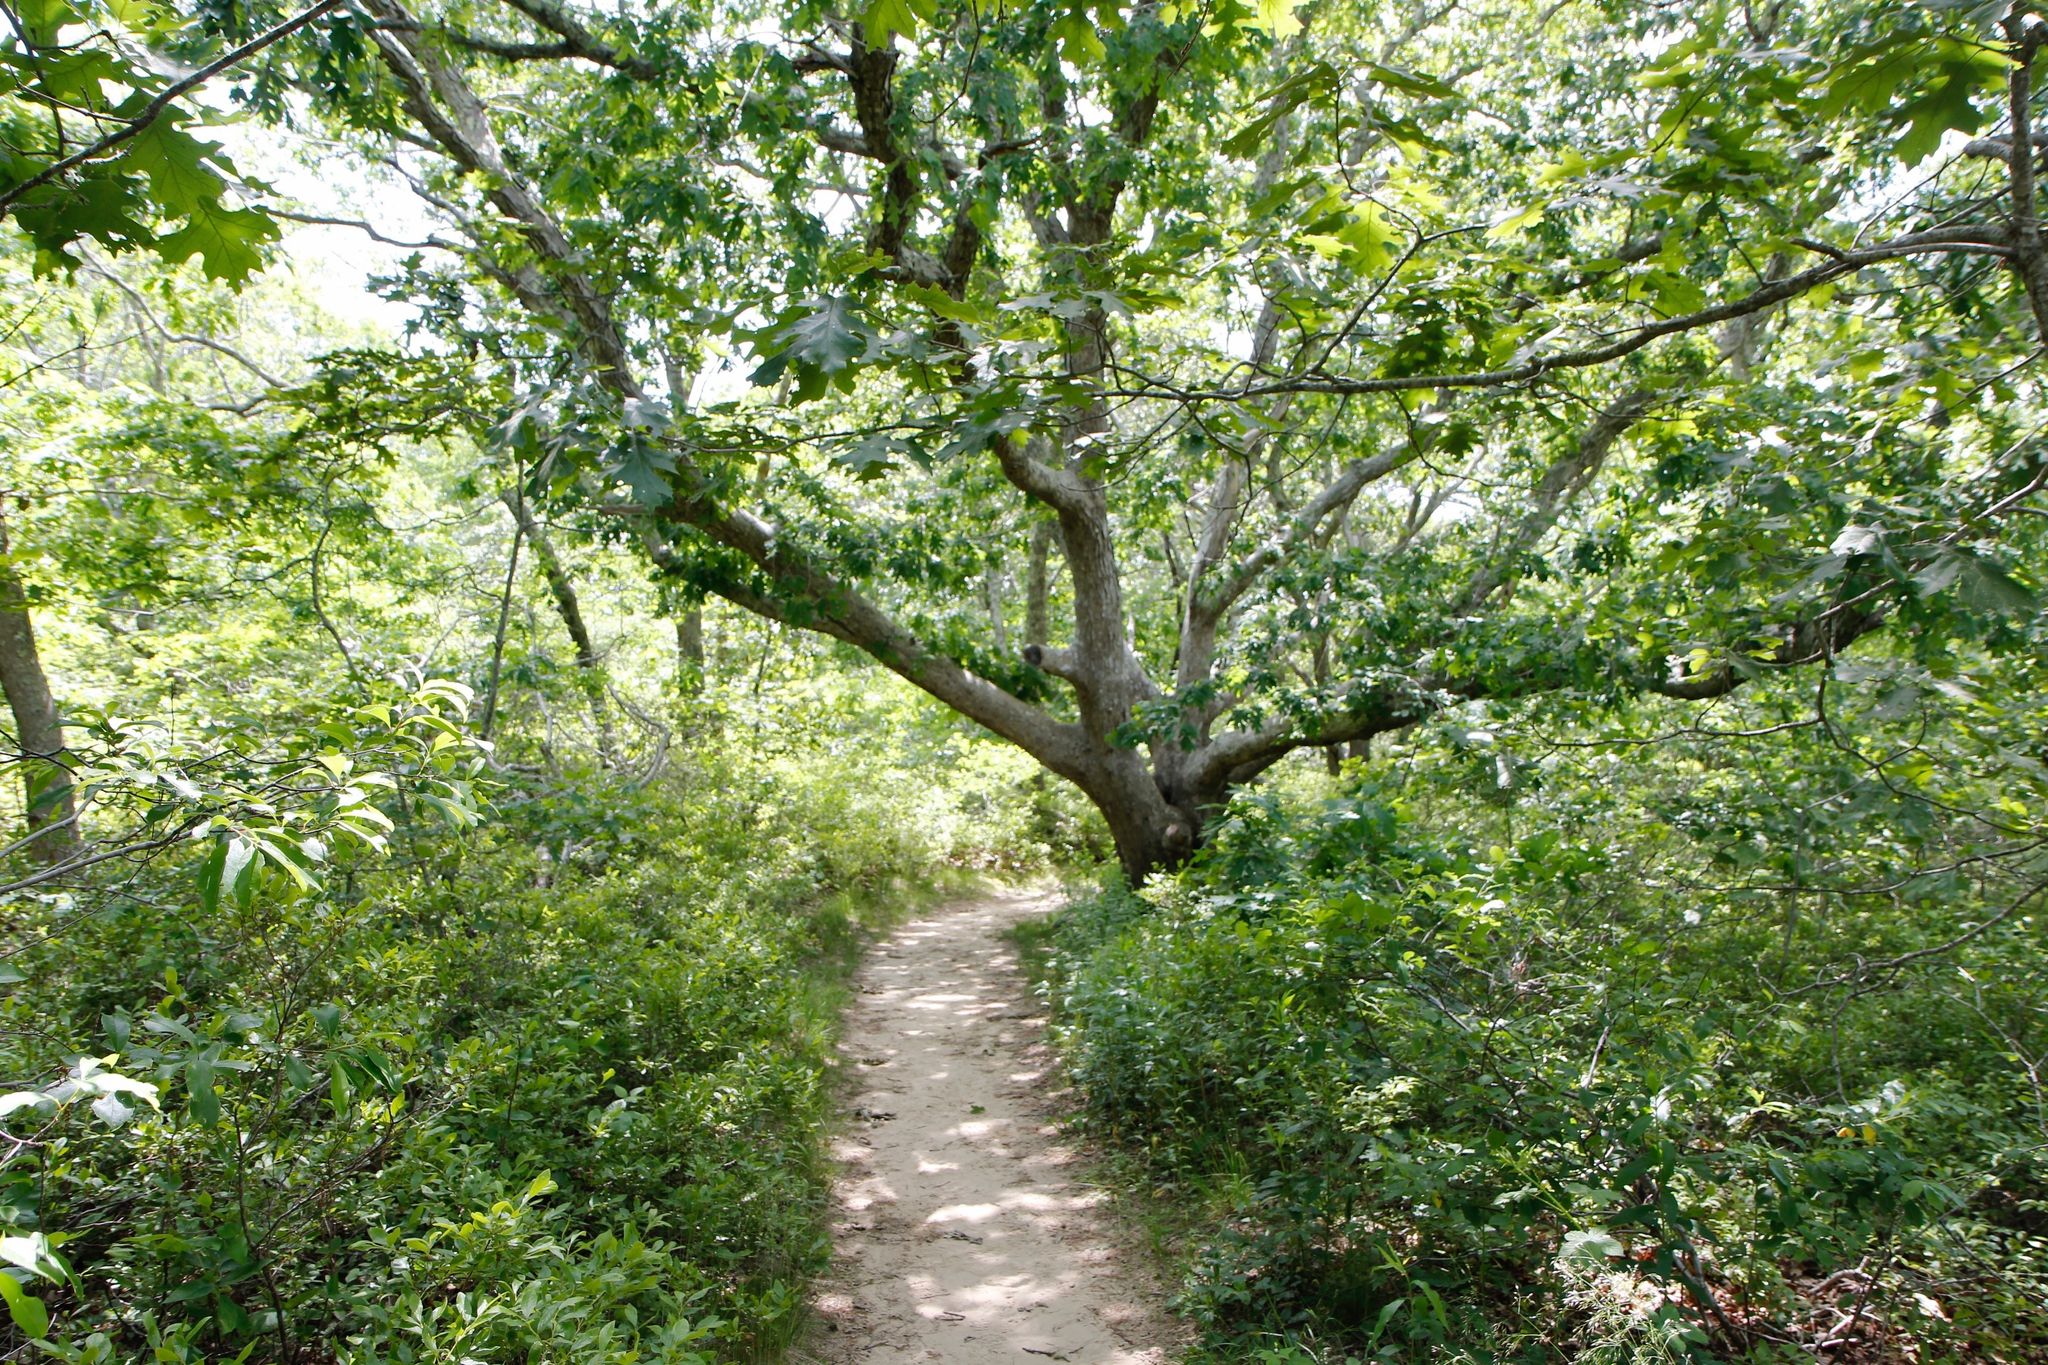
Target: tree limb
(155,109)
(1973,239)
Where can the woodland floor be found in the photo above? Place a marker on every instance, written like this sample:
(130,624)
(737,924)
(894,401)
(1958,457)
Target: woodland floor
(964,1229)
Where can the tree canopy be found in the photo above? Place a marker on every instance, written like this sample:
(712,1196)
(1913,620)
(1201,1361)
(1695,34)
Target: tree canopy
(1167,388)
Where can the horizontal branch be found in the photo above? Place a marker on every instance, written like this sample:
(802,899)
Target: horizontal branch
(1977,239)
(1239,755)
(368,229)
(579,41)
(1061,663)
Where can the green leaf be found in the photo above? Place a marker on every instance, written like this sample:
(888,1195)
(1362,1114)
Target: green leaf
(175,163)
(201,1101)
(1283,99)
(1079,42)
(227,241)
(1514,224)
(210,873)
(100,206)
(1411,82)
(821,339)
(942,303)
(1373,236)
(111,1111)
(1988,588)
(230,869)
(1277,17)
(884,17)
(77,77)
(1364,238)
(1590,1244)
(28,1313)
(645,468)
(32,1253)
(1949,105)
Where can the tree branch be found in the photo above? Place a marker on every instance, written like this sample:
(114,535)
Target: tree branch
(448,109)
(576,41)
(2027,33)
(1974,239)
(1566,478)
(818,601)
(154,110)
(1242,754)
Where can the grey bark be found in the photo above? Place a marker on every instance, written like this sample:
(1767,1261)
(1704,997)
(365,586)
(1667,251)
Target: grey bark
(563,590)
(1038,584)
(690,651)
(47,787)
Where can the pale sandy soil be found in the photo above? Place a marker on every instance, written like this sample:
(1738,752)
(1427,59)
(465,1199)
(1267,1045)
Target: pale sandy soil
(964,1230)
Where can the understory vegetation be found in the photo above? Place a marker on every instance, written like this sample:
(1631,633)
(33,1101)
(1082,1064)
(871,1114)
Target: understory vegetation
(1499,1050)
(550,1092)
(449,965)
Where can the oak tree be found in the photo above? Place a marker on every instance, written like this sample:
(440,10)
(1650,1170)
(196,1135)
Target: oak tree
(1169,387)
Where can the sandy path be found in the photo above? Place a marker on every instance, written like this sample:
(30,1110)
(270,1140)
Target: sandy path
(962,1233)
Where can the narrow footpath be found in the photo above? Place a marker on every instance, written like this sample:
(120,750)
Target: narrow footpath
(963,1230)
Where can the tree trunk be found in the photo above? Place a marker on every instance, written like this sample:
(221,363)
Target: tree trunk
(498,639)
(690,651)
(1151,834)
(563,590)
(46,780)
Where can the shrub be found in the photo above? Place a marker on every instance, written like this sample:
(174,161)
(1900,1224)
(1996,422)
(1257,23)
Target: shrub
(552,1091)
(1430,1096)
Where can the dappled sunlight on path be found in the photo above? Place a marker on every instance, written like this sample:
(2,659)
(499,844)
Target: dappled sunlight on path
(962,1233)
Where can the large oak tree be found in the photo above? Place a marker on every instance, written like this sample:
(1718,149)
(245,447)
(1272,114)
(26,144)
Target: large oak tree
(1169,387)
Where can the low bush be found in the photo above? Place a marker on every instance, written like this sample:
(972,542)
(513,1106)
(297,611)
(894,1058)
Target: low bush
(549,1092)
(1420,1096)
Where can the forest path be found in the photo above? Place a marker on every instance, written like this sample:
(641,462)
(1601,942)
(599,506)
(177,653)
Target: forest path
(963,1232)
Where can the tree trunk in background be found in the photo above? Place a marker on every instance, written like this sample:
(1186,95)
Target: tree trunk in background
(1037,590)
(571,611)
(690,651)
(46,782)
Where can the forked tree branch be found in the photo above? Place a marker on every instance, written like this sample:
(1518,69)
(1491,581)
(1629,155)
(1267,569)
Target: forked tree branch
(805,594)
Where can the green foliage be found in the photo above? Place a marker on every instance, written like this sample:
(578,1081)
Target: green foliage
(532,1092)
(1423,1086)
(94,147)
(1501,1053)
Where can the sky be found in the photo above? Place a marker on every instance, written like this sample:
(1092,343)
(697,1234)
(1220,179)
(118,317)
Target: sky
(334,264)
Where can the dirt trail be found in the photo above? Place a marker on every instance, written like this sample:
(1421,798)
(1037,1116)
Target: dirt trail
(963,1232)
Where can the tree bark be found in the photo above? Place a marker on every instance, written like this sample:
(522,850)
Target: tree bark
(498,638)
(690,651)
(563,590)
(1037,584)
(46,779)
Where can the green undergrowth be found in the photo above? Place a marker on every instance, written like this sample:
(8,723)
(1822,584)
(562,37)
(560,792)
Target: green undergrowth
(552,1091)
(1398,1082)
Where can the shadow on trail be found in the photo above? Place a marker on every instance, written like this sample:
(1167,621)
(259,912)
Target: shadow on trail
(963,1233)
